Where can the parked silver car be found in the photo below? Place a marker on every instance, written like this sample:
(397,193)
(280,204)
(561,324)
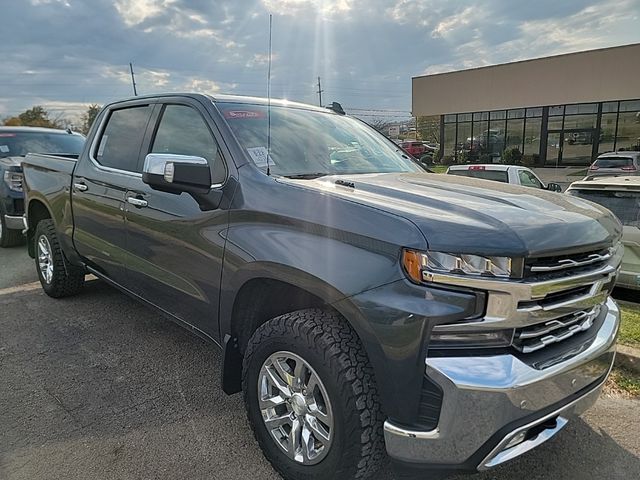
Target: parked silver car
(614,164)
(621,195)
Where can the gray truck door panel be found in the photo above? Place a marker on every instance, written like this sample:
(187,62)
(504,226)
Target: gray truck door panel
(101,180)
(175,248)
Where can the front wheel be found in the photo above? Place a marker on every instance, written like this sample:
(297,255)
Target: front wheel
(58,279)
(311,397)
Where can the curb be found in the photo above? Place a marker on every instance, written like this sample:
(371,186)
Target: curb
(628,357)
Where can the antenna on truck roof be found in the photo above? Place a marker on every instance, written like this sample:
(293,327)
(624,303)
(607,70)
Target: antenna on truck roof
(269,100)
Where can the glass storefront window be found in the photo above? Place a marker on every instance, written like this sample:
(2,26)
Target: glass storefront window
(480,141)
(449,140)
(557,110)
(463,147)
(555,123)
(517,113)
(464,117)
(498,115)
(480,116)
(515,129)
(532,133)
(630,106)
(607,132)
(581,108)
(450,118)
(580,121)
(609,107)
(628,137)
(534,112)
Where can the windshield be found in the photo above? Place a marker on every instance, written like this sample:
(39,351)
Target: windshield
(14,144)
(307,142)
(614,162)
(624,205)
(496,175)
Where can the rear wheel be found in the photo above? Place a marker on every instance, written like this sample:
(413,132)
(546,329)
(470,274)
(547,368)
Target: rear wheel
(9,237)
(311,397)
(58,279)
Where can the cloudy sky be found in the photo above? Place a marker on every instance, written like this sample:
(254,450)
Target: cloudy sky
(65,54)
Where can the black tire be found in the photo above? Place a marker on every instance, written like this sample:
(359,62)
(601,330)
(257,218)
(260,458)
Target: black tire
(9,237)
(329,345)
(66,280)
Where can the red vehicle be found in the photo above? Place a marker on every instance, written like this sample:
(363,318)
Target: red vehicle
(413,148)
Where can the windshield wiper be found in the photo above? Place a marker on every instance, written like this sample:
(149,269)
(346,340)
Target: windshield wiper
(307,176)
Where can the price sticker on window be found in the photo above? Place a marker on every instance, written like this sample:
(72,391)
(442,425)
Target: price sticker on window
(259,156)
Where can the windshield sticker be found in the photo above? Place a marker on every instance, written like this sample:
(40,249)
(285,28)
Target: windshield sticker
(4,149)
(259,156)
(103,143)
(234,114)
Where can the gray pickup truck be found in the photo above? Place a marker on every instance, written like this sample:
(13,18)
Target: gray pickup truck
(362,305)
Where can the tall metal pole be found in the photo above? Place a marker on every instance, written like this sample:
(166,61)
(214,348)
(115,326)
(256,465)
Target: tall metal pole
(133,79)
(319,93)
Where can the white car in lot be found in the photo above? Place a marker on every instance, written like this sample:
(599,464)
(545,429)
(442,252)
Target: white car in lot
(513,174)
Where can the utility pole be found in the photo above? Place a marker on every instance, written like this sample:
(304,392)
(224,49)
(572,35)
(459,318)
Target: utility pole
(133,79)
(319,92)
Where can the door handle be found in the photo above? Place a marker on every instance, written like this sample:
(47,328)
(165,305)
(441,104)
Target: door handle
(81,187)
(137,202)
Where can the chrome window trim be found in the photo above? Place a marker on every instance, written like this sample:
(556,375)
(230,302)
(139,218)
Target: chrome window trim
(95,143)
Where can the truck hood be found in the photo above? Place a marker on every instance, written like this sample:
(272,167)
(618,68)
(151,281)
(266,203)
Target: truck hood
(466,215)
(11,161)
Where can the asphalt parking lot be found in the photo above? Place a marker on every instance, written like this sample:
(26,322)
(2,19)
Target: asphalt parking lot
(98,386)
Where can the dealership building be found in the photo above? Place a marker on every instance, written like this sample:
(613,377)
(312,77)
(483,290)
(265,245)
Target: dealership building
(556,111)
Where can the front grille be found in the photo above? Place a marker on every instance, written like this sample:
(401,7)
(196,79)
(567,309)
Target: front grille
(561,265)
(535,337)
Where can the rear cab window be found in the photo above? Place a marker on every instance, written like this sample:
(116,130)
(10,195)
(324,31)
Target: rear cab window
(121,139)
(495,175)
(614,162)
(18,144)
(624,204)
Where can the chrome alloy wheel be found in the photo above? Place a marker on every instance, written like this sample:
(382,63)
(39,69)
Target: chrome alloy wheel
(45,259)
(295,407)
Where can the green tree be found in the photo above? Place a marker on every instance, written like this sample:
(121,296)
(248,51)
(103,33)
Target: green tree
(34,117)
(429,128)
(89,117)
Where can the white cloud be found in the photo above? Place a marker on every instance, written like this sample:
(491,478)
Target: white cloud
(454,22)
(326,8)
(134,12)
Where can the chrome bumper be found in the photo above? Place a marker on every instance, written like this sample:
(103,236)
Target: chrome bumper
(484,395)
(14,222)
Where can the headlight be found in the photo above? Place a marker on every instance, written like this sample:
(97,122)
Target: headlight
(417,265)
(13,180)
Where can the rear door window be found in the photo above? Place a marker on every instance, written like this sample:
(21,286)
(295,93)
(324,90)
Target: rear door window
(496,175)
(624,205)
(614,162)
(121,139)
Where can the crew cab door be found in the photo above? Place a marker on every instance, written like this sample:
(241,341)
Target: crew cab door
(101,179)
(176,248)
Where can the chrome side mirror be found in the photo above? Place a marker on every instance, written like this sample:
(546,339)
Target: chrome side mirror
(174,173)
